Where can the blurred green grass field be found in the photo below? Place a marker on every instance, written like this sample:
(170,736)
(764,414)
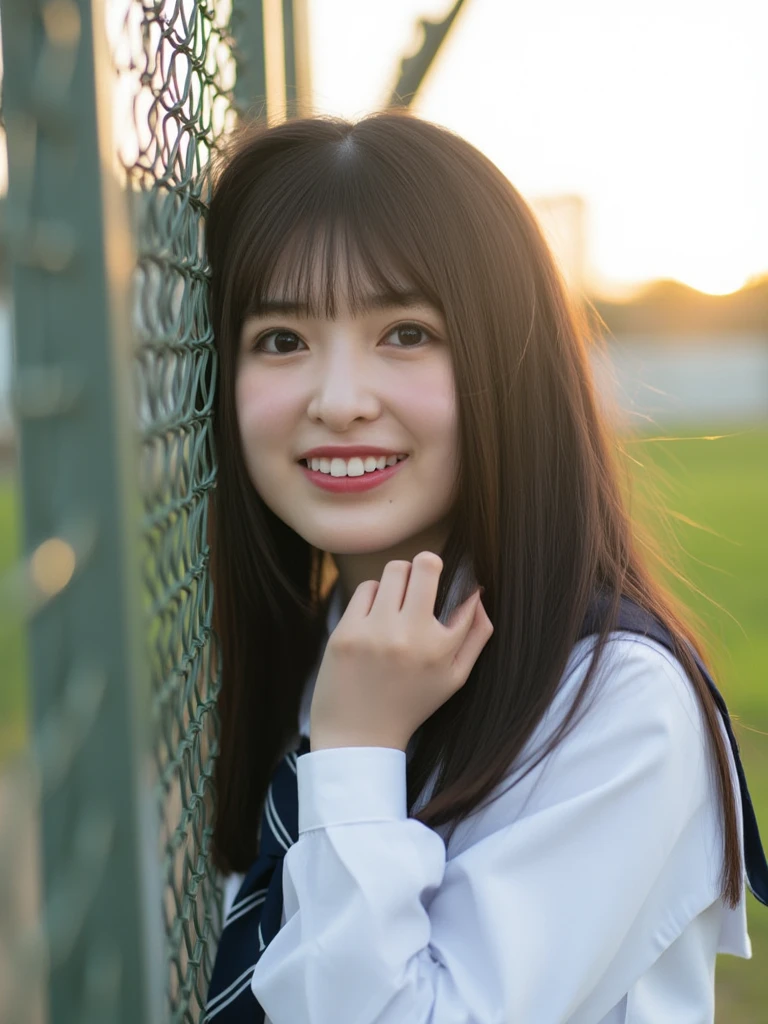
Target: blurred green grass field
(716,494)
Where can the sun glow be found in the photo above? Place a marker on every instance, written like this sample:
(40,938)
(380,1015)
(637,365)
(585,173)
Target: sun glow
(714,280)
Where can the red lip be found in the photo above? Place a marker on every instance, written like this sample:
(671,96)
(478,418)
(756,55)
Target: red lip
(352,484)
(331,451)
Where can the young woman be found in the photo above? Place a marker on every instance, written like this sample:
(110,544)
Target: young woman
(434,807)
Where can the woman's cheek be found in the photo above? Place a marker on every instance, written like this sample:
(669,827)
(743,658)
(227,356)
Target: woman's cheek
(263,411)
(431,404)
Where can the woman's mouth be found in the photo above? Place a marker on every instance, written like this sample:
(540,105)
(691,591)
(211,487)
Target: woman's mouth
(360,478)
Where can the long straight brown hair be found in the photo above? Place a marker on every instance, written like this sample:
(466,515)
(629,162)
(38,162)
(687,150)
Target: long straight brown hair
(540,500)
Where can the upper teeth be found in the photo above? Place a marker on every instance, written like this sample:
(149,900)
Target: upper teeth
(355,466)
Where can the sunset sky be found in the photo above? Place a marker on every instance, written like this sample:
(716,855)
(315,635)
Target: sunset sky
(656,113)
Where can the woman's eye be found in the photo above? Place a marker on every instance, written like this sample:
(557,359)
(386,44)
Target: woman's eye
(410,334)
(282,338)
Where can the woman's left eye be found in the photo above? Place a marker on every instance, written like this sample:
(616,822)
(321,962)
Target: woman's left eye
(409,331)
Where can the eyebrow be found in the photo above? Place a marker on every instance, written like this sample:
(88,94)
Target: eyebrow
(377,301)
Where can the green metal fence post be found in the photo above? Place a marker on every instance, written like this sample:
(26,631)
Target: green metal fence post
(67,235)
(248,31)
(250,90)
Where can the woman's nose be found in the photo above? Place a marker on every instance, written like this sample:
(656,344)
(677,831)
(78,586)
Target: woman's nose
(344,391)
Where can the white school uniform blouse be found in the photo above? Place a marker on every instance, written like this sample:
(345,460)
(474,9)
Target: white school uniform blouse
(586,894)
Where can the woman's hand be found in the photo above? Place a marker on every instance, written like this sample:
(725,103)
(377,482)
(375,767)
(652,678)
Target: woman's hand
(389,664)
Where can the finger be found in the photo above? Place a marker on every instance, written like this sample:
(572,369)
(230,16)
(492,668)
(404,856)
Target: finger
(361,602)
(421,593)
(394,581)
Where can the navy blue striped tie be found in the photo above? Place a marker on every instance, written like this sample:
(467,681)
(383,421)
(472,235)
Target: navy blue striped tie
(256,912)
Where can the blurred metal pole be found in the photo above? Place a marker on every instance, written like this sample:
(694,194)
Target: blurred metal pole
(413,69)
(67,237)
(298,84)
(272,33)
(247,22)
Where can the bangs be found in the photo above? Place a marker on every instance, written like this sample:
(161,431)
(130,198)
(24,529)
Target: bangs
(323,266)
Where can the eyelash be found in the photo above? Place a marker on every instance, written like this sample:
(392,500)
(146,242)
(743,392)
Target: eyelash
(397,327)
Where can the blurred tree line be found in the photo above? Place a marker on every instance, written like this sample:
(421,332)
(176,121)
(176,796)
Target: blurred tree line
(669,307)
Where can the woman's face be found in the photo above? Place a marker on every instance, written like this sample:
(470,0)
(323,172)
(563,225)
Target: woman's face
(382,378)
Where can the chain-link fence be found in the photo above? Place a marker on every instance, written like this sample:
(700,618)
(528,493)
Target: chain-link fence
(112,111)
(175,67)
(184,72)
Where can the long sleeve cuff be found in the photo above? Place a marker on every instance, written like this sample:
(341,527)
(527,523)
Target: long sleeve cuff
(342,785)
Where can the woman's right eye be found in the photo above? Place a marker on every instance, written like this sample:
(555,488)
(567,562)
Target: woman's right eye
(280,340)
